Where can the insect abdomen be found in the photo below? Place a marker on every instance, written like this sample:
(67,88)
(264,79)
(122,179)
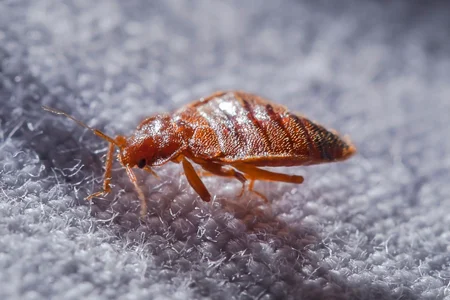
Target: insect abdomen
(236,126)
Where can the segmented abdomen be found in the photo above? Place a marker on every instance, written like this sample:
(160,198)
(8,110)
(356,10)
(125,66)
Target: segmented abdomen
(240,127)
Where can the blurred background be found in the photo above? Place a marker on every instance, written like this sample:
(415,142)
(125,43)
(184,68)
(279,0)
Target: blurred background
(375,227)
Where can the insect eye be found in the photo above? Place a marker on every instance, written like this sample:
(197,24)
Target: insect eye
(141,163)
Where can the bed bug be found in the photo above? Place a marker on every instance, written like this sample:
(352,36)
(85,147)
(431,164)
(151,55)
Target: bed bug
(229,134)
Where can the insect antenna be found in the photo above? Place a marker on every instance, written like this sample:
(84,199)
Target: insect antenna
(95,131)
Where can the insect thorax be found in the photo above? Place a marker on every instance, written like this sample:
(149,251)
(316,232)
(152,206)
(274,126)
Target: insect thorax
(157,140)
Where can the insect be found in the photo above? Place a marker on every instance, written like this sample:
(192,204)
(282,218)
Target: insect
(229,134)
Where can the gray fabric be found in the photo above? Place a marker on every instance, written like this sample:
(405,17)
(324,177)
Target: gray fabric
(374,227)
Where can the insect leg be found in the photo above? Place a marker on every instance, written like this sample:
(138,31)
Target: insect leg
(250,188)
(149,170)
(195,181)
(107,175)
(254,173)
(219,170)
(141,195)
(259,174)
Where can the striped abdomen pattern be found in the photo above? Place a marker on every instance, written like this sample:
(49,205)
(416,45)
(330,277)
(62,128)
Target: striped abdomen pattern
(240,127)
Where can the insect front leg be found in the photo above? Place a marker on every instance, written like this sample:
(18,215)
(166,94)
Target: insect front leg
(107,175)
(139,191)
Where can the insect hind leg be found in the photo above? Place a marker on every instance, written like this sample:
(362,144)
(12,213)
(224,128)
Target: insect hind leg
(250,189)
(219,170)
(254,173)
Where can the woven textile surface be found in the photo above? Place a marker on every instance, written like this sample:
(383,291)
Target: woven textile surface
(374,227)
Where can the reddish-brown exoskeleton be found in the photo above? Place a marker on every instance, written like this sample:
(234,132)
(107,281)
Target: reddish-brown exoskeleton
(228,134)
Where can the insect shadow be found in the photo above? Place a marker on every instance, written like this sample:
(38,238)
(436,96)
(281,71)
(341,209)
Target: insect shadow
(232,239)
(229,244)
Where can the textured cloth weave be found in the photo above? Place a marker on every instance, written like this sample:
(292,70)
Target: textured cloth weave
(374,227)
